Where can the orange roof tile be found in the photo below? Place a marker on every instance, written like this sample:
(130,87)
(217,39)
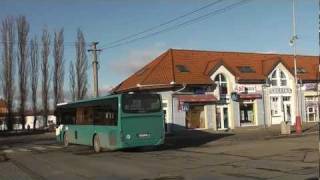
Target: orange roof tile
(201,64)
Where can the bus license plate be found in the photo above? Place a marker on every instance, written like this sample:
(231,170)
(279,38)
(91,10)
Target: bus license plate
(144,135)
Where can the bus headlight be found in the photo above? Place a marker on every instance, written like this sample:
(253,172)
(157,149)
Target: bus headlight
(128,136)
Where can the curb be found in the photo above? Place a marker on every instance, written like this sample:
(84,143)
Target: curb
(291,135)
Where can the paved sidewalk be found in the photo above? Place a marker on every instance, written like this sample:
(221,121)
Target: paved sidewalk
(199,137)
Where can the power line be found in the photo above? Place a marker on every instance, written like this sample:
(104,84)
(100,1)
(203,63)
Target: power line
(191,21)
(164,23)
(66,43)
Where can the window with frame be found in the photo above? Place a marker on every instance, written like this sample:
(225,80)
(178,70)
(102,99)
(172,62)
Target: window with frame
(221,81)
(67,117)
(107,113)
(283,79)
(84,116)
(275,106)
(278,78)
(274,81)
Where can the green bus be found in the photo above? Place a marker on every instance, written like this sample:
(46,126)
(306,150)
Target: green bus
(112,122)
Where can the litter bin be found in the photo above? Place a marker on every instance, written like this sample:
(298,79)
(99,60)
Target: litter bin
(285,127)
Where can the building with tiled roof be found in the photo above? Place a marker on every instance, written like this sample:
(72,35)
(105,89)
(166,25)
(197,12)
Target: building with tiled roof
(3,107)
(3,112)
(198,86)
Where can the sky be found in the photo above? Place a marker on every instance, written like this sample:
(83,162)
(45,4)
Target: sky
(255,26)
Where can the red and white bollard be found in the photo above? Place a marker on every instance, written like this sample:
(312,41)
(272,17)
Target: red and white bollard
(298,125)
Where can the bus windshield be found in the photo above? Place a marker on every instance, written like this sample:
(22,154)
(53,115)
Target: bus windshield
(141,103)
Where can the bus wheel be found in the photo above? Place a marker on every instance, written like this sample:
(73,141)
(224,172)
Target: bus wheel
(65,140)
(96,144)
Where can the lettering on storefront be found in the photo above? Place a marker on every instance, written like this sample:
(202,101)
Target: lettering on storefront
(310,86)
(246,89)
(280,90)
(185,107)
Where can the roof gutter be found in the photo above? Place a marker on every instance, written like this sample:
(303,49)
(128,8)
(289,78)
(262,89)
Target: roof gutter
(150,85)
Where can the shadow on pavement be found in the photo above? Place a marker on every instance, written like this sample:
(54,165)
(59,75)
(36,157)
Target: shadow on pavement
(183,139)
(177,140)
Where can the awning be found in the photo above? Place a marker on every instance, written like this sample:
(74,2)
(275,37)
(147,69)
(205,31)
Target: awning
(250,96)
(197,98)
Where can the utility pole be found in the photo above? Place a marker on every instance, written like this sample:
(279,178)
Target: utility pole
(94,51)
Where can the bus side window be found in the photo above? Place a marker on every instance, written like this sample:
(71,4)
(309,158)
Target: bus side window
(67,117)
(106,114)
(85,115)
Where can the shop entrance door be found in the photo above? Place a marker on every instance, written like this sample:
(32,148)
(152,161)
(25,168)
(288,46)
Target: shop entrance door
(287,111)
(195,117)
(222,118)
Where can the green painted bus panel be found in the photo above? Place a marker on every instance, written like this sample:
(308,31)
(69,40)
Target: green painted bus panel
(108,136)
(84,134)
(142,129)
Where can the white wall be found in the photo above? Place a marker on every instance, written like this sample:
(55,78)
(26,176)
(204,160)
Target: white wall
(231,86)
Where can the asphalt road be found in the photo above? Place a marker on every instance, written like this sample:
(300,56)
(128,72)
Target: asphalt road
(201,157)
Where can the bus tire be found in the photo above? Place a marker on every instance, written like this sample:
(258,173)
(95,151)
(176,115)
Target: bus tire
(96,144)
(65,140)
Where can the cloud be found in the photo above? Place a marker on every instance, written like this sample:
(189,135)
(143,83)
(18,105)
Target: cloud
(136,59)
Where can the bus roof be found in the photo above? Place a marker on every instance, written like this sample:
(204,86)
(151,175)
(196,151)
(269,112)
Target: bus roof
(86,102)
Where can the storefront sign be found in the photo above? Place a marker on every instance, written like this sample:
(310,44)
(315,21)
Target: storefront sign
(246,88)
(280,90)
(314,103)
(185,107)
(235,96)
(310,86)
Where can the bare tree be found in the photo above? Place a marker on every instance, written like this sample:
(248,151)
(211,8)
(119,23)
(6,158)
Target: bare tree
(81,66)
(7,70)
(58,75)
(45,73)
(23,30)
(34,62)
(72,81)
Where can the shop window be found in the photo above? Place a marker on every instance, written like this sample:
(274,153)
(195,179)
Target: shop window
(246,112)
(275,106)
(286,98)
(221,82)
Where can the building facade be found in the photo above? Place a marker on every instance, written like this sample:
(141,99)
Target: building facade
(3,112)
(226,90)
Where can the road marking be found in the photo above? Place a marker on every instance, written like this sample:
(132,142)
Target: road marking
(8,151)
(24,149)
(55,147)
(39,148)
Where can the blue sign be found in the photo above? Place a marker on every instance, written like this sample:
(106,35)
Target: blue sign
(185,107)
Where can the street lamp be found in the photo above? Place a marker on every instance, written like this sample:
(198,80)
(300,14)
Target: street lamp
(264,86)
(293,44)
